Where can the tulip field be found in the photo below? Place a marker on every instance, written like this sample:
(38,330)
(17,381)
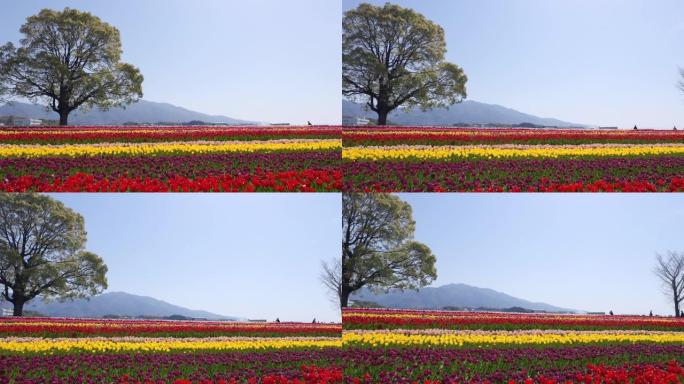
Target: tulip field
(410,346)
(420,159)
(176,159)
(46,350)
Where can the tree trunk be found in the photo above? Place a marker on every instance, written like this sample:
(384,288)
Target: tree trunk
(382,117)
(344,298)
(18,308)
(675,298)
(63,118)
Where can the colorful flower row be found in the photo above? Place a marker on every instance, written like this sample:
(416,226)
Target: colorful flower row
(458,339)
(170,159)
(163,344)
(407,319)
(289,181)
(319,366)
(509,348)
(626,174)
(171,128)
(189,166)
(439,159)
(506,365)
(145,134)
(455,153)
(468,136)
(166,148)
(78,328)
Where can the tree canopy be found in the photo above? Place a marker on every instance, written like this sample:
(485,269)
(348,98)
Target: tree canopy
(42,252)
(67,60)
(394,56)
(378,250)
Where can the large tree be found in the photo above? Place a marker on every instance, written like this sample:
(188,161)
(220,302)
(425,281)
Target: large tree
(67,60)
(378,250)
(670,271)
(394,56)
(42,252)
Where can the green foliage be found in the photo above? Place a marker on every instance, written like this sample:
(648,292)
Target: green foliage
(67,60)
(378,250)
(42,251)
(394,56)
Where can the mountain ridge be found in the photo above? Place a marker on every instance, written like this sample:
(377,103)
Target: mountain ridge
(467,112)
(118,304)
(143,111)
(453,295)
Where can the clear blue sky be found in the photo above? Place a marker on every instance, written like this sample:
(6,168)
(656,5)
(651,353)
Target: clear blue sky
(591,252)
(246,255)
(608,62)
(265,60)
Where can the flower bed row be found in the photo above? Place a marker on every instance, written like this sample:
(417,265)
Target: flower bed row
(59,350)
(407,319)
(78,328)
(320,366)
(33,345)
(648,174)
(289,181)
(176,159)
(158,134)
(427,159)
(413,346)
(573,364)
(468,136)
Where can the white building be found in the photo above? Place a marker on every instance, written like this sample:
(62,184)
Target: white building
(351,121)
(26,122)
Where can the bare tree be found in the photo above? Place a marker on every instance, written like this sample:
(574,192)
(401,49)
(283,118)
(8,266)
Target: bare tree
(331,277)
(670,270)
(680,84)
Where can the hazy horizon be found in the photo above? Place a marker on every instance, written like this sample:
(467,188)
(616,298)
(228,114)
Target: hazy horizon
(607,63)
(256,60)
(592,252)
(244,255)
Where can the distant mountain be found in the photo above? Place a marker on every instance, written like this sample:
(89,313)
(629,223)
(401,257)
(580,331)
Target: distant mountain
(118,304)
(141,112)
(467,112)
(452,296)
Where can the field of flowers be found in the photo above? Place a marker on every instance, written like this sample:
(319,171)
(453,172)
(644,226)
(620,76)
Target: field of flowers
(158,159)
(402,346)
(416,159)
(39,350)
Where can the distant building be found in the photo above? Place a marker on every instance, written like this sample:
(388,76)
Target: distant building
(352,121)
(607,127)
(280,124)
(257,320)
(18,121)
(6,312)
